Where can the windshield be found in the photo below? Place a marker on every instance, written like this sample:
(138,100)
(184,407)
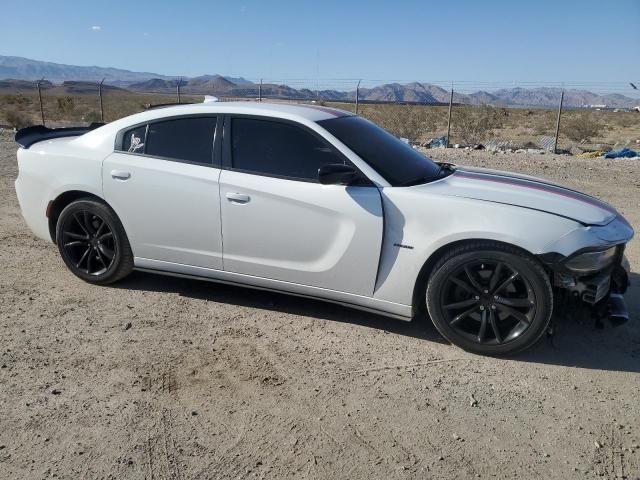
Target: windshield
(397,162)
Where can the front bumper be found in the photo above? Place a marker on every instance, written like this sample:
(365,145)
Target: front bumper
(602,291)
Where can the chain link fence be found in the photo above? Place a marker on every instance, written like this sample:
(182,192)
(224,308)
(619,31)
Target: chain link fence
(499,116)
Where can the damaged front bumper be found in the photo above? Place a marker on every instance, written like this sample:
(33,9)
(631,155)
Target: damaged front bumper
(602,290)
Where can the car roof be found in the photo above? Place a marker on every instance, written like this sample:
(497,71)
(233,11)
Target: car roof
(309,112)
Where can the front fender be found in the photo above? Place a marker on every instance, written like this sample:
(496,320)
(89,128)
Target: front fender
(418,225)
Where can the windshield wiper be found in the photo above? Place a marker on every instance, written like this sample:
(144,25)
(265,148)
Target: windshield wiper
(444,170)
(416,181)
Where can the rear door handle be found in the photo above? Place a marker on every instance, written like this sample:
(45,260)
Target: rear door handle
(238,197)
(120,175)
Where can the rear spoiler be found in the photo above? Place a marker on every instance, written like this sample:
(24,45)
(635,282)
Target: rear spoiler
(25,137)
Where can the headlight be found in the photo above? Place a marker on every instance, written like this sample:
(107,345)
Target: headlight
(590,262)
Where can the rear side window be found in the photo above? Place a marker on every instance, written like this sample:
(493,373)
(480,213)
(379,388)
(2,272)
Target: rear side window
(278,149)
(186,139)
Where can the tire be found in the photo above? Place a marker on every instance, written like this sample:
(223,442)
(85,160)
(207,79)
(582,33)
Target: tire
(93,243)
(489,298)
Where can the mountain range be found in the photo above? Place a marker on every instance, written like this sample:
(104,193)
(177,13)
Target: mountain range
(77,78)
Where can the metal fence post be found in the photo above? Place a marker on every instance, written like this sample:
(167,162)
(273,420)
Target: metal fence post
(260,91)
(178,89)
(40,99)
(357,95)
(101,104)
(555,143)
(449,119)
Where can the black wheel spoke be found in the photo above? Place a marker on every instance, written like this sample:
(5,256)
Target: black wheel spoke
(506,283)
(76,236)
(463,315)
(90,260)
(515,302)
(483,326)
(518,315)
(76,243)
(472,279)
(465,286)
(495,276)
(104,236)
(494,327)
(462,304)
(87,223)
(100,228)
(80,222)
(83,257)
(107,252)
(99,255)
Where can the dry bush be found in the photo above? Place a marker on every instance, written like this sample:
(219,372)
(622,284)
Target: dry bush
(18,99)
(17,119)
(474,124)
(404,121)
(91,116)
(66,105)
(580,128)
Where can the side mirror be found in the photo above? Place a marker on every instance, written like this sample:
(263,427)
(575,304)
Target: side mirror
(337,174)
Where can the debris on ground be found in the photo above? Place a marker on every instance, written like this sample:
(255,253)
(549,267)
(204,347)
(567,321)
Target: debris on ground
(594,154)
(624,153)
(438,142)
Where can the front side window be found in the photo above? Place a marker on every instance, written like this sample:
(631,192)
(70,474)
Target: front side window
(396,161)
(278,149)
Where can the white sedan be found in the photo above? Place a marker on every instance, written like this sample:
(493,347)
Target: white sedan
(321,203)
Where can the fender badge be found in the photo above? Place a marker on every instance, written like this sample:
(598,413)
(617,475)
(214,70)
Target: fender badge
(403,246)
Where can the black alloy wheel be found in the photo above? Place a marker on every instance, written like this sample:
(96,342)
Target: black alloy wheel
(93,243)
(489,298)
(488,302)
(89,242)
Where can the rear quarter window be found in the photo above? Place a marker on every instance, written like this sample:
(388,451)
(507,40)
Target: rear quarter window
(133,140)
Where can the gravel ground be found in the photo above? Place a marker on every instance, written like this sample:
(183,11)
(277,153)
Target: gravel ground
(157,377)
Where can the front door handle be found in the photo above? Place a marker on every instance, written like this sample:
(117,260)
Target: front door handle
(238,197)
(120,175)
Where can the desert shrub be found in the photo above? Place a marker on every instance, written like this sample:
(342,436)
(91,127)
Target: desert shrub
(65,105)
(91,116)
(405,121)
(580,128)
(17,99)
(17,119)
(474,124)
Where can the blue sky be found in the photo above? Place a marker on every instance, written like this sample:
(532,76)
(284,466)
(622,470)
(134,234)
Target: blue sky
(476,41)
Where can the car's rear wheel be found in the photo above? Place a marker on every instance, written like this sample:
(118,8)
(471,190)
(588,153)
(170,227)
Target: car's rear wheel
(93,243)
(489,298)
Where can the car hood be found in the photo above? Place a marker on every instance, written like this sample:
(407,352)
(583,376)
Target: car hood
(527,192)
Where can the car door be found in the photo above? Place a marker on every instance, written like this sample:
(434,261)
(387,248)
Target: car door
(279,223)
(162,181)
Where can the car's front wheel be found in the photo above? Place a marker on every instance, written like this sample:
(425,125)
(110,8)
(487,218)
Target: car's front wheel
(93,243)
(489,298)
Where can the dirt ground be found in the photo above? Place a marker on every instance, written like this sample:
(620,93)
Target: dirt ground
(158,377)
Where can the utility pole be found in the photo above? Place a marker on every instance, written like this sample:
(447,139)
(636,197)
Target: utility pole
(260,91)
(101,105)
(357,95)
(449,119)
(178,89)
(555,144)
(40,98)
